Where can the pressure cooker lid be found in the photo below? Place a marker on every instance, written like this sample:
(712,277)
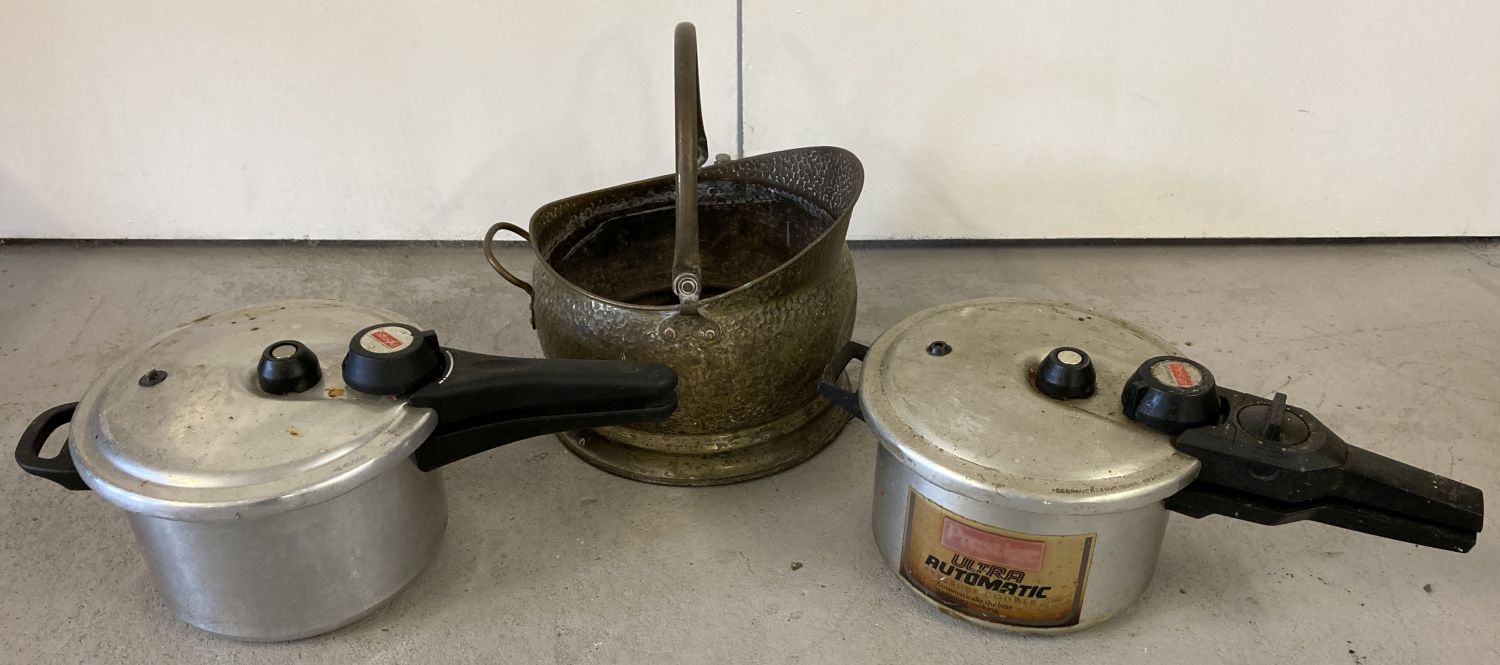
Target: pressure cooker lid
(952,391)
(184,426)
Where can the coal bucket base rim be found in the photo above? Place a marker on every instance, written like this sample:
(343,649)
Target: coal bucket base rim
(743,464)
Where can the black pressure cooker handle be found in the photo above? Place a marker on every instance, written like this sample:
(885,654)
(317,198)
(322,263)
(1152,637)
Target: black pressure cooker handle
(1317,476)
(1265,461)
(828,384)
(58,469)
(486,401)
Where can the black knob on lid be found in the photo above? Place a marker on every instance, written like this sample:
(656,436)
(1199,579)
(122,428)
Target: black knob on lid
(392,359)
(1066,373)
(287,367)
(1171,394)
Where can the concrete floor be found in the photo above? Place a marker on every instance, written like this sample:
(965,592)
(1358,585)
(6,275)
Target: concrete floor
(548,560)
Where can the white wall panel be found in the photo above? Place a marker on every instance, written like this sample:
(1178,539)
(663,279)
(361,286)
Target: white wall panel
(975,119)
(163,119)
(985,119)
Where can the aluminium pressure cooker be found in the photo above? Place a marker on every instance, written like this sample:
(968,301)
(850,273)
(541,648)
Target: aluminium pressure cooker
(277,461)
(1030,452)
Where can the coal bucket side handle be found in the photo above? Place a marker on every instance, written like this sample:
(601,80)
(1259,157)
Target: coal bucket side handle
(692,152)
(489,255)
(828,384)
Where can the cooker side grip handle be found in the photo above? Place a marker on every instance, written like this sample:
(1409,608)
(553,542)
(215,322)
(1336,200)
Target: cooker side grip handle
(58,469)
(828,384)
(484,401)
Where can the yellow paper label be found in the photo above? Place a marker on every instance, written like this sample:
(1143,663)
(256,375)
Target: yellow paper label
(992,574)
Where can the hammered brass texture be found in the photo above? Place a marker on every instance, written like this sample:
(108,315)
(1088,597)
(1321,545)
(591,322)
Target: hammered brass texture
(779,299)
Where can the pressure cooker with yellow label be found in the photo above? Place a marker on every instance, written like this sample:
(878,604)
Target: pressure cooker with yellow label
(1030,452)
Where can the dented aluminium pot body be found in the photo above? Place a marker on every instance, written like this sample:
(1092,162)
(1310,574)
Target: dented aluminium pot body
(275,576)
(996,503)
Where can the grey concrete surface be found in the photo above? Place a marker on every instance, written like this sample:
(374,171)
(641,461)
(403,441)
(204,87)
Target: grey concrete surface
(548,560)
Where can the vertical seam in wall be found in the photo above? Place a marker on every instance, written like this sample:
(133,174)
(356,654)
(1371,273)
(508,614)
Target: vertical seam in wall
(739,79)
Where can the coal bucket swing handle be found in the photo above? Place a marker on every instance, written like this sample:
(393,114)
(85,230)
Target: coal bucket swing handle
(692,152)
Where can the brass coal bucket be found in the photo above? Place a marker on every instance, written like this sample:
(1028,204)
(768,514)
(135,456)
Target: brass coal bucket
(736,275)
